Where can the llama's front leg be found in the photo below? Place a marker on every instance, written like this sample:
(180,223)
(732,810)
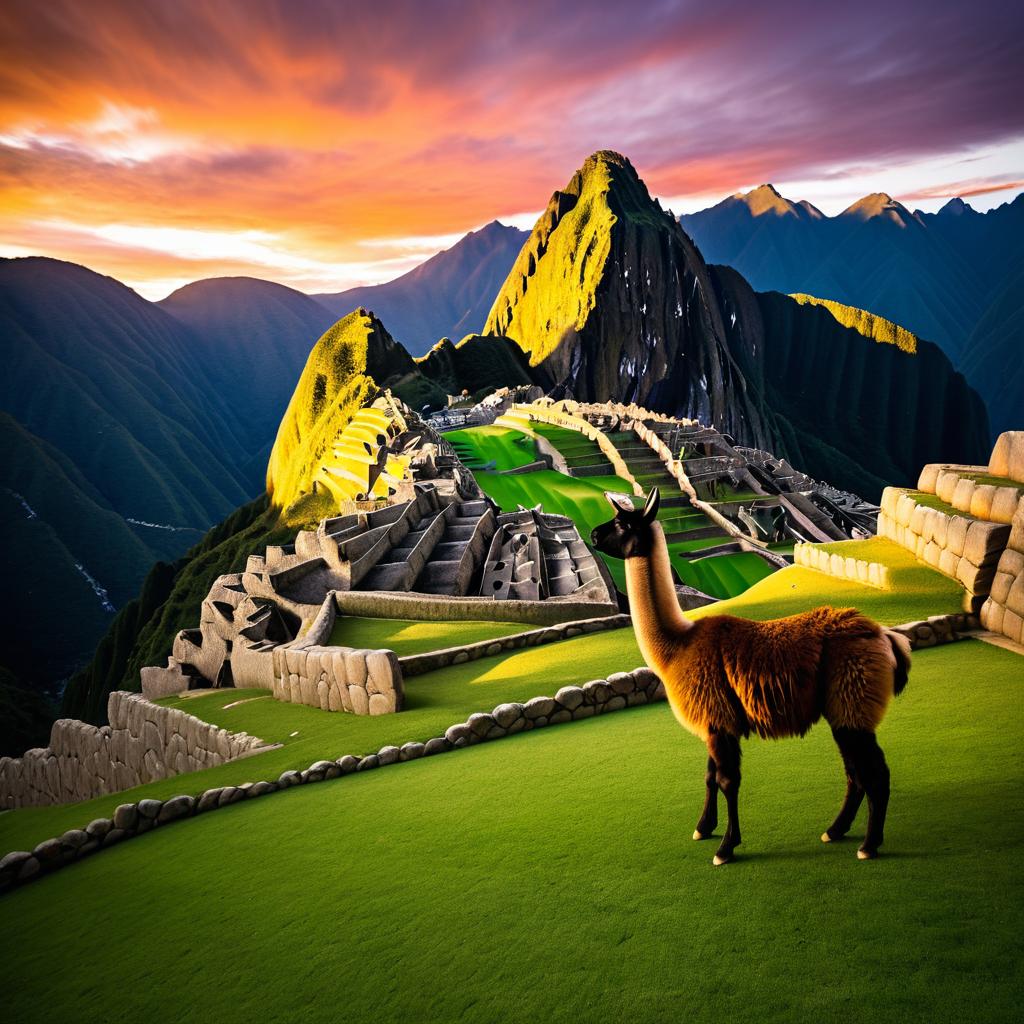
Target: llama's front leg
(709,816)
(725,751)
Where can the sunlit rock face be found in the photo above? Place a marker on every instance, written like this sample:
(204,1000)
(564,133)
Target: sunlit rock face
(611,298)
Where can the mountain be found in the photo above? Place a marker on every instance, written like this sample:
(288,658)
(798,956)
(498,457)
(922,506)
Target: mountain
(610,298)
(256,332)
(939,275)
(448,296)
(994,356)
(476,364)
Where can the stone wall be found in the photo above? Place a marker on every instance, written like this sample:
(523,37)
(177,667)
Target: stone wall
(143,742)
(431,608)
(873,574)
(338,679)
(1003,610)
(959,546)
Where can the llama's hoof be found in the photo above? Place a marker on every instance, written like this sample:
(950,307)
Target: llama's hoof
(863,854)
(825,837)
(697,834)
(722,858)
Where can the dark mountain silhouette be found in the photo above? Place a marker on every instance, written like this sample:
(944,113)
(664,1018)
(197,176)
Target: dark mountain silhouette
(939,275)
(448,296)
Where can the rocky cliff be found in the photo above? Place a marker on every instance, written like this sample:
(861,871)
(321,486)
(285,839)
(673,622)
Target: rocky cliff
(611,298)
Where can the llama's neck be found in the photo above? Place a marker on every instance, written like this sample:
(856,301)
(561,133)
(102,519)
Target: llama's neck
(660,624)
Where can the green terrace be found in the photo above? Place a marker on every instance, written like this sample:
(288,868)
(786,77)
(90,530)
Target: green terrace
(409,636)
(500,448)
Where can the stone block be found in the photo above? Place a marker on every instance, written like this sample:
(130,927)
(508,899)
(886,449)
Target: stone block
(956,534)
(355,668)
(975,578)
(381,704)
(570,697)
(985,541)
(981,501)
(1007,457)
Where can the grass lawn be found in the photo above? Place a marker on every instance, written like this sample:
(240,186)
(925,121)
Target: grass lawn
(480,446)
(408,636)
(551,877)
(433,701)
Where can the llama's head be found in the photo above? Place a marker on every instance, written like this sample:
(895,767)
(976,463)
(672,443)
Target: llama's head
(629,534)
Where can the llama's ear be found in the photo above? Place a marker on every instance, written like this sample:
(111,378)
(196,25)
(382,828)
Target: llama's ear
(651,508)
(620,502)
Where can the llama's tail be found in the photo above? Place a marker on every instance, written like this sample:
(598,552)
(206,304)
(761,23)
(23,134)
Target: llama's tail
(901,651)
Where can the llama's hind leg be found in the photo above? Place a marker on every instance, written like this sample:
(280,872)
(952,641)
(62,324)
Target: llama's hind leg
(725,752)
(709,816)
(854,791)
(871,771)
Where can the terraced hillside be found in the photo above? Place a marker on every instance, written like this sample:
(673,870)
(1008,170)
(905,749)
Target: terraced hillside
(703,555)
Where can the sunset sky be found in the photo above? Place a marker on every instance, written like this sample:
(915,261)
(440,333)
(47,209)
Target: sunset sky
(325,145)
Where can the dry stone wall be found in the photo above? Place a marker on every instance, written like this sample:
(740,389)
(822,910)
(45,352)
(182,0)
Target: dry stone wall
(143,742)
(1003,610)
(338,679)
(845,567)
(959,546)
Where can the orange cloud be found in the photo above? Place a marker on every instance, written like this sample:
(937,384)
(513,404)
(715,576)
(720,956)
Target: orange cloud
(315,127)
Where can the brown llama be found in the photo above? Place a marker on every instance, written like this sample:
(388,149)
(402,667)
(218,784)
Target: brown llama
(727,677)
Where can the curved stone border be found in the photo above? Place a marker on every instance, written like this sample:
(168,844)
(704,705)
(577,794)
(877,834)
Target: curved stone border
(858,570)
(938,629)
(418,664)
(571,703)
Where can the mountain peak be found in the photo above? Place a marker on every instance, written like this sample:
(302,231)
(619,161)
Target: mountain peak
(766,199)
(877,204)
(956,207)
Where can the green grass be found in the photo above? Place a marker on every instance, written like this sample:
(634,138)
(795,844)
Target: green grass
(407,636)
(433,701)
(722,576)
(551,877)
(482,446)
(995,481)
(920,592)
(934,501)
(576,449)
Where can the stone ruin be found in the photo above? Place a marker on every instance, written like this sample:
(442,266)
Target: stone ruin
(436,556)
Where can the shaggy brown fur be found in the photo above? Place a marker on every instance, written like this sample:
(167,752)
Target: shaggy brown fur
(730,677)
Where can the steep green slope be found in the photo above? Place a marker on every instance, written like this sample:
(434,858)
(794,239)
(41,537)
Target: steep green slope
(936,274)
(113,382)
(611,300)
(143,631)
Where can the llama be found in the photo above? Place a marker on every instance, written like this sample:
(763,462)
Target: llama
(727,677)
